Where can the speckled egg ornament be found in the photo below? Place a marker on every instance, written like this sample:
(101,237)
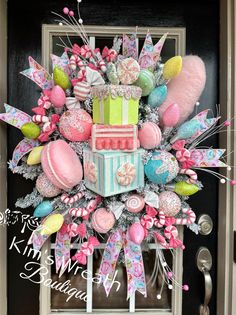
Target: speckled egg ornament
(45,187)
(161,168)
(146,81)
(169,203)
(76,125)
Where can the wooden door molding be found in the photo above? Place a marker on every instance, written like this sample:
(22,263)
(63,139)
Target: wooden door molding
(226,291)
(3,156)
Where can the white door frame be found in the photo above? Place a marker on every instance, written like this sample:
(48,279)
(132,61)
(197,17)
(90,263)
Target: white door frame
(227,221)
(226,277)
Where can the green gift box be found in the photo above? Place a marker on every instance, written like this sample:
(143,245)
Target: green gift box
(116,104)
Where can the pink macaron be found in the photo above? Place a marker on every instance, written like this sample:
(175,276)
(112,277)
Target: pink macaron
(76,125)
(103,220)
(61,164)
(149,135)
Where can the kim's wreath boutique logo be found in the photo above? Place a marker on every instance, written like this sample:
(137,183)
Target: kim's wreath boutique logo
(38,271)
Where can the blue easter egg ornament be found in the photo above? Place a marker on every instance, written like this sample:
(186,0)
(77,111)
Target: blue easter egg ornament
(161,168)
(43,209)
(157,96)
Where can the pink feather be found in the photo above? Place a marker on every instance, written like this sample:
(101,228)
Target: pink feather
(187,87)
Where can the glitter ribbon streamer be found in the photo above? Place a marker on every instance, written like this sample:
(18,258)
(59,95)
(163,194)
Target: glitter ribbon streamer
(133,261)
(62,62)
(204,124)
(14,116)
(22,148)
(207,157)
(62,249)
(38,74)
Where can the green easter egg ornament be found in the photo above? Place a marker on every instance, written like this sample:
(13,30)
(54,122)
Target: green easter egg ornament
(30,130)
(61,78)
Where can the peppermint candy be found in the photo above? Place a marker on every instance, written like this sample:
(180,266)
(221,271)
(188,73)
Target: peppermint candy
(147,221)
(82,90)
(190,217)
(126,174)
(192,175)
(171,232)
(160,221)
(40,119)
(72,229)
(65,198)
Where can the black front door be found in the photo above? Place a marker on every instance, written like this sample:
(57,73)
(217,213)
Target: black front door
(25,19)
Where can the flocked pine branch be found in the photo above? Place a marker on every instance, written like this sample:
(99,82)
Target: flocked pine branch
(28,171)
(32,199)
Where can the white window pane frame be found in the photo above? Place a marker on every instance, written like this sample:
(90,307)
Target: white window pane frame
(179,35)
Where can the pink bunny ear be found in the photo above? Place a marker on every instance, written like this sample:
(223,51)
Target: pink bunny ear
(187,87)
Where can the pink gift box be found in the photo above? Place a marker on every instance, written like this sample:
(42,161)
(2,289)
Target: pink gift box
(112,137)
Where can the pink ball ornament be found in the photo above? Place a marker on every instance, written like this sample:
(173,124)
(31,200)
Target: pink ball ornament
(169,203)
(185,287)
(227,123)
(136,233)
(233,182)
(57,96)
(65,10)
(45,187)
(76,125)
(71,13)
(135,203)
(171,115)
(149,135)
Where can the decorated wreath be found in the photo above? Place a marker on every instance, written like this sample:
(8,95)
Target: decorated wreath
(112,154)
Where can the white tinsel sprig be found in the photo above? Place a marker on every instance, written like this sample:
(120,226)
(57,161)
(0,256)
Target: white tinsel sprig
(32,199)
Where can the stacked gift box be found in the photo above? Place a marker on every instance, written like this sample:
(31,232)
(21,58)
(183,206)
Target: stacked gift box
(113,163)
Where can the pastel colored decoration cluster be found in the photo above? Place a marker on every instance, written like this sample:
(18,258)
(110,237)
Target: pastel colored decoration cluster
(112,152)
